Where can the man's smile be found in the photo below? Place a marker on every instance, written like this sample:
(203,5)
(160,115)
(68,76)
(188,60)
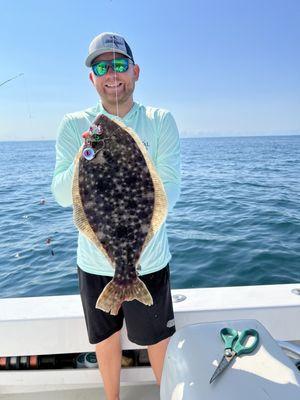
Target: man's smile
(113,85)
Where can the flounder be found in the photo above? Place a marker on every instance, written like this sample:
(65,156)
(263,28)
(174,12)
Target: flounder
(119,203)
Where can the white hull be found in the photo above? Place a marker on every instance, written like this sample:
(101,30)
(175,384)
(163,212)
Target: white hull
(53,325)
(136,392)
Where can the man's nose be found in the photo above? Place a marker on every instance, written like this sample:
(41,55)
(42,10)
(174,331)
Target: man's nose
(110,70)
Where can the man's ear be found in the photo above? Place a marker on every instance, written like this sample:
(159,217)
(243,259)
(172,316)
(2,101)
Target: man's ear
(136,72)
(91,76)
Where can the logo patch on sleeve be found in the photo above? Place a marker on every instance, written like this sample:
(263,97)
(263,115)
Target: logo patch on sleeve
(171,323)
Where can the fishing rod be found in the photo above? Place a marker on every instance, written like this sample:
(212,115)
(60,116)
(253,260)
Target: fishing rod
(14,77)
(25,88)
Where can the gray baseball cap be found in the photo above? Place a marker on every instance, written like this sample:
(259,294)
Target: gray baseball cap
(108,42)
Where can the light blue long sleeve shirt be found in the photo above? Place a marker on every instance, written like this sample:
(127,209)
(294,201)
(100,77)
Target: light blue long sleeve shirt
(158,131)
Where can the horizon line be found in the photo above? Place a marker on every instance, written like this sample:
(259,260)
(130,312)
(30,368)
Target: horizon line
(188,136)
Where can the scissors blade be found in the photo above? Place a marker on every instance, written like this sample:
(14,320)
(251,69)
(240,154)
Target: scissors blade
(221,367)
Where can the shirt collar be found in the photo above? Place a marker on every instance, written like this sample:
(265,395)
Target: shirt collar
(101,110)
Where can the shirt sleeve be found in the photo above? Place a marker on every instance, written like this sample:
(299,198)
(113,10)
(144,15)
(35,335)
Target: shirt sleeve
(168,159)
(66,149)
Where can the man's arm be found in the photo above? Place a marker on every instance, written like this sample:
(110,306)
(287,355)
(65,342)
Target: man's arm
(168,158)
(66,150)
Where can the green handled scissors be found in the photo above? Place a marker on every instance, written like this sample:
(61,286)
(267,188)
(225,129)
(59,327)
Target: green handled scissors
(235,346)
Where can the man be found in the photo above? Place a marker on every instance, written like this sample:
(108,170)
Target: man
(114,74)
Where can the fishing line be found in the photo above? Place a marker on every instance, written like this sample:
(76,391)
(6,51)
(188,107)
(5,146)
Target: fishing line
(27,101)
(26,91)
(115,75)
(26,94)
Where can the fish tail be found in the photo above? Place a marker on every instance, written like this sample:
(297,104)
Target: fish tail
(113,295)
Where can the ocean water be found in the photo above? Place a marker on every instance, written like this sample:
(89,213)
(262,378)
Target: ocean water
(237,221)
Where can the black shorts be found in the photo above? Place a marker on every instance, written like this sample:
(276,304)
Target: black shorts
(146,325)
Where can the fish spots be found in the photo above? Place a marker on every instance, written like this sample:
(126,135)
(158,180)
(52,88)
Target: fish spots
(117,194)
(144,228)
(100,235)
(130,180)
(108,208)
(121,232)
(99,159)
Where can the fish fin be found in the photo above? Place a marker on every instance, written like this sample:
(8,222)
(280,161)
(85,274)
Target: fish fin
(113,295)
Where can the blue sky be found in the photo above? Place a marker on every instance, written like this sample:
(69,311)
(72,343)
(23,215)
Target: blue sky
(221,67)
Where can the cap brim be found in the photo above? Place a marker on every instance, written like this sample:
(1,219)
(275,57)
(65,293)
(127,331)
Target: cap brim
(96,53)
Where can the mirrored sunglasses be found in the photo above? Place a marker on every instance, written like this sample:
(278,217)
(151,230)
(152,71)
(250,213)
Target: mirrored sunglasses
(118,65)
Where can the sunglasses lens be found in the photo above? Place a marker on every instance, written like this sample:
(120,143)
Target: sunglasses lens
(120,65)
(100,68)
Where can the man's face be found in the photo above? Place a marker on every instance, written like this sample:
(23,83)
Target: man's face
(115,86)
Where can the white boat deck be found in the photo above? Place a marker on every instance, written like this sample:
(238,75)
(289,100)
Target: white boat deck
(55,324)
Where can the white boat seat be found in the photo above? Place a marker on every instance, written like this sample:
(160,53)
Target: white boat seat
(195,350)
